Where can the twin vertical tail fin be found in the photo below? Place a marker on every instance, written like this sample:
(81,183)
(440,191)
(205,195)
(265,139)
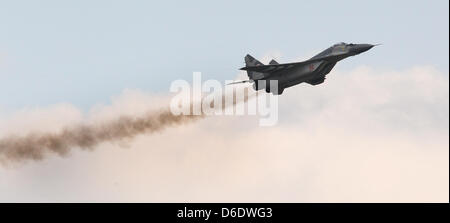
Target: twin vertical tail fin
(273,62)
(251,62)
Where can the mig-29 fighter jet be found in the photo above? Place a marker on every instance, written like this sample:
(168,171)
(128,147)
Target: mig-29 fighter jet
(312,71)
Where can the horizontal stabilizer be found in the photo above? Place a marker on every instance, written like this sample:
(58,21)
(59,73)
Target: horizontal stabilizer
(239,82)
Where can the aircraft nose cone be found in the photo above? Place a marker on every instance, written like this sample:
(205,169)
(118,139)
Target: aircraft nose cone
(363,48)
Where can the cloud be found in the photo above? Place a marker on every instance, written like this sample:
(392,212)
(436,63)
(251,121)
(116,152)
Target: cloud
(365,135)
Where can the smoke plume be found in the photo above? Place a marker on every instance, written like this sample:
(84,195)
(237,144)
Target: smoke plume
(37,145)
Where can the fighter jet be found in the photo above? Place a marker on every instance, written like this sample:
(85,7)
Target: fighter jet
(312,71)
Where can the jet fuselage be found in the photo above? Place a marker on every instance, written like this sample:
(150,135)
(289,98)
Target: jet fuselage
(312,71)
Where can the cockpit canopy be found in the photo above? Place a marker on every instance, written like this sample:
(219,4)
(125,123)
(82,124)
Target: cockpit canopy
(343,44)
(340,44)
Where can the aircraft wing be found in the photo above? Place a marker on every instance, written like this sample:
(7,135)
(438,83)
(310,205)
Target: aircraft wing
(271,68)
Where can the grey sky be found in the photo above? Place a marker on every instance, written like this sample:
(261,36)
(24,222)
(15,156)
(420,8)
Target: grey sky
(85,51)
